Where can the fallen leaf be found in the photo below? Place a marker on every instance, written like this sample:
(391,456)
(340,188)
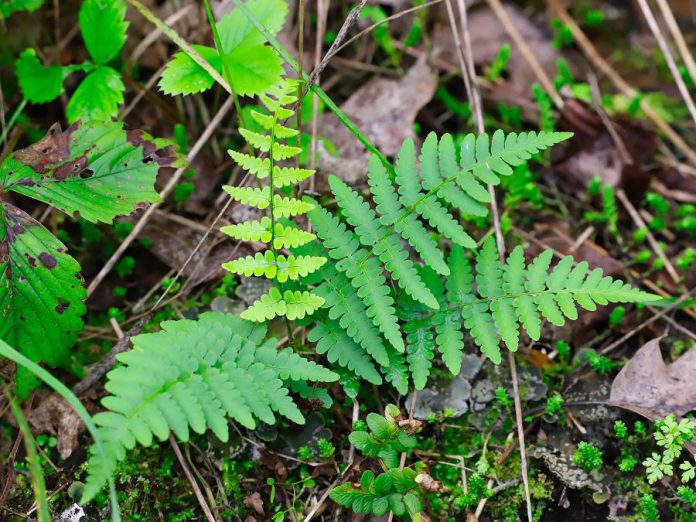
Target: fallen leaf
(648,386)
(384,111)
(173,242)
(55,416)
(254,502)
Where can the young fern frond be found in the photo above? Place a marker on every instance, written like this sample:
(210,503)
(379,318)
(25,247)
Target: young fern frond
(281,267)
(195,376)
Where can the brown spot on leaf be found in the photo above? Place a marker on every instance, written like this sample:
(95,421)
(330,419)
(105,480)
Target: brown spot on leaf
(30,259)
(47,260)
(4,252)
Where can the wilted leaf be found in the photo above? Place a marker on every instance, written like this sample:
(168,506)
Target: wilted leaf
(648,386)
(55,416)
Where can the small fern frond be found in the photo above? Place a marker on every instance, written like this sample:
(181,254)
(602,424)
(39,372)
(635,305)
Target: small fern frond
(272,266)
(293,305)
(195,376)
(280,236)
(362,269)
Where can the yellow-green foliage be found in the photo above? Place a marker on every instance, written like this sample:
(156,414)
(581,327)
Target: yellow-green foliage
(272,264)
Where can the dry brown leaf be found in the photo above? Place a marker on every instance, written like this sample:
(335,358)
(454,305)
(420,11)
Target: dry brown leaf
(648,386)
(254,502)
(55,416)
(384,111)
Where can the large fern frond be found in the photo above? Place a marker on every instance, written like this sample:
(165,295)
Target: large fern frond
(195,376)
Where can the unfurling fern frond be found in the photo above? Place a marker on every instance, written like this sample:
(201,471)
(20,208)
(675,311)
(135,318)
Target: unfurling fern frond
(195,376)
(282,267)
(494,302)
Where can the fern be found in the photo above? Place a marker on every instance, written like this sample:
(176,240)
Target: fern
(195,376)
(368,241)
(279,301)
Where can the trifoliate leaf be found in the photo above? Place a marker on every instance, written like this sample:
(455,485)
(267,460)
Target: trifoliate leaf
(184,76)
(96,169)
(97,97)
(41,291)
(103,25)
(39,83)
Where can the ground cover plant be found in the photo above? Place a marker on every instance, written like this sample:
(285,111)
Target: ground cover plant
(271,260)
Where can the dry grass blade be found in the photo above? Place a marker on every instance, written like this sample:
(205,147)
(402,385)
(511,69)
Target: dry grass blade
(667,53)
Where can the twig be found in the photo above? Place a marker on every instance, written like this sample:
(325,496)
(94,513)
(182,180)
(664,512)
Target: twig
(678,37)
(97,370)
(342,32)
(192,480)
(657,33)
(140,225)
(635,216)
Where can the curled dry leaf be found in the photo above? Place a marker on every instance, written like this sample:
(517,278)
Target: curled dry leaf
(648,386)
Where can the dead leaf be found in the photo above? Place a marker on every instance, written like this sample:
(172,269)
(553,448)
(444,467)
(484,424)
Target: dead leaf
(648,386)
(384,111)
(488,35)
(55,416)
(254,502)
(173,242)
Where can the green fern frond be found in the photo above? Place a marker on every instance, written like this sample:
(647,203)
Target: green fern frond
(195,376)
(429,187)
(270,264)
(293,305)
(511,297)
(362,269)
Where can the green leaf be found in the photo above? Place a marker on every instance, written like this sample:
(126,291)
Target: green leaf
(253,69)
(184,76)
(97,169)
(39,84)
(7,7)
(103,25)
(194,376)
(237,31)
(97,97)
(41,292)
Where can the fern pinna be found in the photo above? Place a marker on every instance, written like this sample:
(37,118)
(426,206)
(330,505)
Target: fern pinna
(196,375)
(275,229)
(367,244)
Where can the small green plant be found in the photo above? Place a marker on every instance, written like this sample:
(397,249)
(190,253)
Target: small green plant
(98,97)
(498,66)
(587,456)
(671,436)
(7,7)
(648,508)
(401,490)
